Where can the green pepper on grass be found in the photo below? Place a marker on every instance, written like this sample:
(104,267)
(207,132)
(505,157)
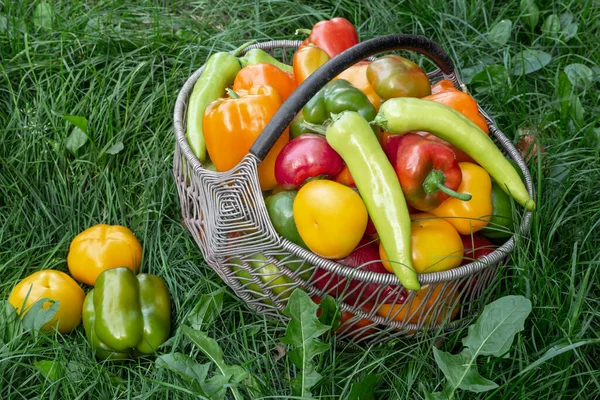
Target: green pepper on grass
(125,315)
(337,96)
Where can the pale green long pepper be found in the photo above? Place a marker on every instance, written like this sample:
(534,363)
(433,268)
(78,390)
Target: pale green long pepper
(405,114)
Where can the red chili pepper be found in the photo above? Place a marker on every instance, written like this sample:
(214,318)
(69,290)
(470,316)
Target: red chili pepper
(428,174)
(333,36)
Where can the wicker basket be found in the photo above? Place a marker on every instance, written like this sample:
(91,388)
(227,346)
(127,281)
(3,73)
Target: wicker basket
(226,215)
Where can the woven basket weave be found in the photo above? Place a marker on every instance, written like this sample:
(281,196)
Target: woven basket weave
(226,215)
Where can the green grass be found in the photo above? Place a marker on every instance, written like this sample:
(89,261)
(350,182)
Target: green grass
(120,64)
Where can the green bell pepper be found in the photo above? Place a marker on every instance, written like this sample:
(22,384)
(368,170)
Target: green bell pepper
(337,96)
(501,225)
(125,315)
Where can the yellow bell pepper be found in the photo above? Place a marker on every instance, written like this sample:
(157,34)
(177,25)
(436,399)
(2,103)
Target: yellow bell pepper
(473,215)
(103,247)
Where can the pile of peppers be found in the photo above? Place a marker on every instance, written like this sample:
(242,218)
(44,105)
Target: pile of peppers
(369,129)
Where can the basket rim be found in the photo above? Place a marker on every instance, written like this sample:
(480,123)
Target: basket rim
(487,261)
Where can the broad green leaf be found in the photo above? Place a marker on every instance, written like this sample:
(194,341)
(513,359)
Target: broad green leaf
(577,110)
(116,148)
(468,73)
(461,371)
(43,15)
(80,122)
(528,61)
(365,388)
(567,26)
(75,140)
(496,327)
(206,309)
(330,312)
(211,349)
(302,332)
(551,26)
(493,77)
(51,370)
(10,323)
(36,317)
(564,95)
(580,75)
(530,12)
(186,368)
(500,33)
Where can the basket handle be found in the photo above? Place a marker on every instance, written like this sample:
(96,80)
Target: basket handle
(307,89)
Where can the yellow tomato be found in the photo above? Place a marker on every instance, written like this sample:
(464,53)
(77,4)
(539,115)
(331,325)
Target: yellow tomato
(103,247)
(331,218)
(443,303)
(435,245)
(54,285)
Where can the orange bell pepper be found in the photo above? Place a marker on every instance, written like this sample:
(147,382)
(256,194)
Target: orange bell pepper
(357,76)
(473,215)
(231,125)
(447,94)
(283,82)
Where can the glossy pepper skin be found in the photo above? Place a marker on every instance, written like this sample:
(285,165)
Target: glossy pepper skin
(357,76)
(352,137)
(257,56)
(265,74)
(280,207)
(502,225)
(337,96)
(306,60)
(126,315)
(231,125)
(405,114)
(219,73)
(394,76)
(469,216)
(460,101)
(428,174)
(101,247)
(305,157)
(333,36)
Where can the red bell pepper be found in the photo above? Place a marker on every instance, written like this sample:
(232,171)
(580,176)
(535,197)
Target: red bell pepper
(428,174)
(333,36)
(392,143)
(476,246)
(307,156)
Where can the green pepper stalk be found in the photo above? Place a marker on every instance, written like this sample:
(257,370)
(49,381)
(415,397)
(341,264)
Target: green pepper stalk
(352,137)
(406,114)
(126,315)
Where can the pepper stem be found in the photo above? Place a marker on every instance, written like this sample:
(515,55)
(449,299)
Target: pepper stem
(232,94)
(314,128)
(302,31)
(435,182)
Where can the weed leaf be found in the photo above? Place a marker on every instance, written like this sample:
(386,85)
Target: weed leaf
(330,312)
(43,15)
(116,148)
(51,370)
(365,388)
(36,317)
(496,327)
(233,373)
(206,309)
(567,26)
(500,33)
(580,75)
(528,61)
(10,323)
(530,12)
(551,26)
(301,334)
